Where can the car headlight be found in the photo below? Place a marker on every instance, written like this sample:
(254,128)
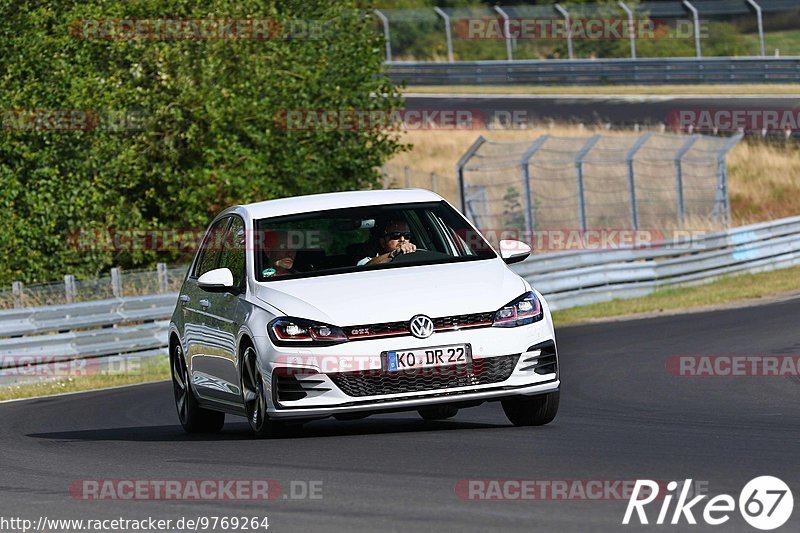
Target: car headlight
(290,331)
(524,310)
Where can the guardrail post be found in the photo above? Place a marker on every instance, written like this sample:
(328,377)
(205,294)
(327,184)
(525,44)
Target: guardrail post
(386,35)
(460,169)
(69,288)
(161,270)
(696,17)
(116,282)
(631,182)
(568,23)
(722,199)
(447,33)
(579,175)
(530,212)
(16,292)
(679,175)
(631,27)
(760,25)
(507,31)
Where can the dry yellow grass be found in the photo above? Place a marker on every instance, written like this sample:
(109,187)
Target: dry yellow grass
(764,178)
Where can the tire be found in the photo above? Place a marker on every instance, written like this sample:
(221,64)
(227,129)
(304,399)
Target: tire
(438,412)
(532,410)
(254,398)
(194,418)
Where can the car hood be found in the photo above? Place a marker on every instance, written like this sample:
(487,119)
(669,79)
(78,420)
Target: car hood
(395,294)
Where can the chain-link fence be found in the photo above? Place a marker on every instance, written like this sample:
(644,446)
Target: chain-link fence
(654,181)
(118,283)
(606,30)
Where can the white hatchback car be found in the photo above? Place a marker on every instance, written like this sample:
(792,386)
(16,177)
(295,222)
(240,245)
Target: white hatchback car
(348,304)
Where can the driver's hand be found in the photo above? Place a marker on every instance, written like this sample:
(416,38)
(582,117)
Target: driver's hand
(405,248)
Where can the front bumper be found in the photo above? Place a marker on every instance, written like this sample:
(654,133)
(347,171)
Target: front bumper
(507,362)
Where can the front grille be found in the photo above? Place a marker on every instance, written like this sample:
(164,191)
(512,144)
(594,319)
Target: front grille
(480,372)
(391,329)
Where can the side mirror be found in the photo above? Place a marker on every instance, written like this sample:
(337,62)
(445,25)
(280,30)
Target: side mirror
(514,251)
(217,280)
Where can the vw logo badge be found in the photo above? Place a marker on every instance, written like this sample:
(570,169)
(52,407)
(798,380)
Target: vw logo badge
(421,326)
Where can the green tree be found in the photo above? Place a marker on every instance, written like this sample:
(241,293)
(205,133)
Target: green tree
(204,126)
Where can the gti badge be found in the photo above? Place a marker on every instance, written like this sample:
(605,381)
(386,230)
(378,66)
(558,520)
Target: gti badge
(421,326)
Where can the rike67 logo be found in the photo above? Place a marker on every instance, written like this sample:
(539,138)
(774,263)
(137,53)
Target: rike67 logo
(765,503)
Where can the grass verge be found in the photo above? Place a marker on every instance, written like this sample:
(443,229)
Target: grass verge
(151,369)
(727,290)
(611,90)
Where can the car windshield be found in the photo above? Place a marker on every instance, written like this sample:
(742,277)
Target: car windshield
(364,238)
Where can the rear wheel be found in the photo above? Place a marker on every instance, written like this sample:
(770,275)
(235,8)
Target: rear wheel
(194,418)
(532,410)
(437,412)
(255,397)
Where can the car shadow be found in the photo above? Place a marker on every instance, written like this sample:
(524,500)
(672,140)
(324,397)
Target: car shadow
(241,430)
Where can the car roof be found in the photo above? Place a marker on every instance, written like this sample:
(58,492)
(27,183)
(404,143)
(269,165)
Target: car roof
(335,200)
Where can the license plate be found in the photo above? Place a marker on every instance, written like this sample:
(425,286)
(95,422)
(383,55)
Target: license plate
(453,354)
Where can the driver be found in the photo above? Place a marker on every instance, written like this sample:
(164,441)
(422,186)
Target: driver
(395,239)
(280,255)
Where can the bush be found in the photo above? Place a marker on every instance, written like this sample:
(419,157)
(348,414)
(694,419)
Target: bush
(198,123)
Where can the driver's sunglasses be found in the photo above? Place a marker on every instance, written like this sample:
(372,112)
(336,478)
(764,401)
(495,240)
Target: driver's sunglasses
(395,235)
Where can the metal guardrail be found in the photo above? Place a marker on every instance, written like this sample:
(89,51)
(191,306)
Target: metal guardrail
(570,279)
(600,71)
(118,326)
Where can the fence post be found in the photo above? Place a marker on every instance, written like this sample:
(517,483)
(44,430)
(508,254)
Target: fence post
(760,25)
(116,282)
(447,34)
(722,198)
(631,28)
(507,31)
(579,175)
(696,18)
(568,23)
(433,181)
(631,182)
(69,288)
(161,270)
(679,175)
(16,292)
(460,169)
(386,35)
(530,212)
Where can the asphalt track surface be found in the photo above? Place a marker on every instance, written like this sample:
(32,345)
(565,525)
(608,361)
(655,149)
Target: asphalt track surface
(616,110)
(622,417)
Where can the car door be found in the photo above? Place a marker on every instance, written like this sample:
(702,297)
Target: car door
(198,336)
(224,315)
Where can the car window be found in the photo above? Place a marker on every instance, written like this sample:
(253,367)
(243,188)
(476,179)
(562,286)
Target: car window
(232,256)
(339,240)
(208,255)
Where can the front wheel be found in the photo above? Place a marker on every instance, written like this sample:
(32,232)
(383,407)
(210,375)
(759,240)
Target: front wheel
(194,418)
(532,410)
(255,397)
